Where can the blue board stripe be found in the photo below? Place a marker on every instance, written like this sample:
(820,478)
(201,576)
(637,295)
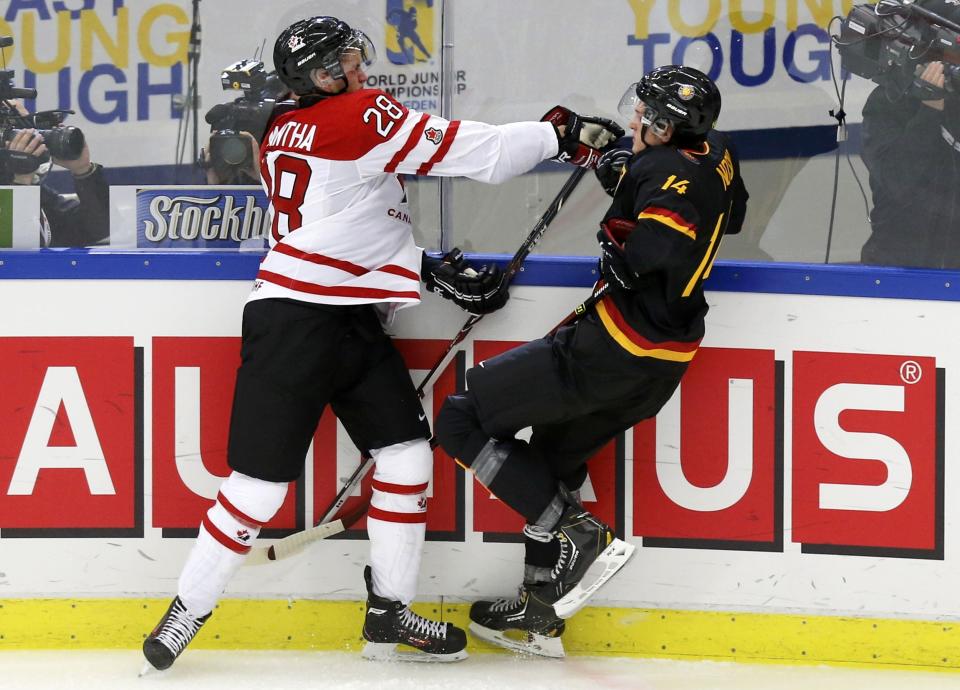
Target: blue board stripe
(557,271)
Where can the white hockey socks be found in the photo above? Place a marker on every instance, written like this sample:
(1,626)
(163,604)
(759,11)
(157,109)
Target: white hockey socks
(397,518)
(229,528)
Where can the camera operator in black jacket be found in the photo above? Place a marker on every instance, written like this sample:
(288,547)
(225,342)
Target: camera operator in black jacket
(911,128)
(247,172)
(65,221)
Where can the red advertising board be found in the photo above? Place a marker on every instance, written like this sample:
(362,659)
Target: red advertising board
(70,441)
(867,454)
(708,472)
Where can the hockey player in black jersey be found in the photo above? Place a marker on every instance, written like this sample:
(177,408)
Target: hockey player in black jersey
(675,194)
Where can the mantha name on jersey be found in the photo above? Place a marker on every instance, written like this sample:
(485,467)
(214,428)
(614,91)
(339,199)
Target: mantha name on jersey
(341,230)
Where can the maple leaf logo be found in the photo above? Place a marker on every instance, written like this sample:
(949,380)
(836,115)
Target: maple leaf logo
(295,43)
(243,535)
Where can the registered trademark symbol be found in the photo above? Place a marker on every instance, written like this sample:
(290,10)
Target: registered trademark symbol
(910,372)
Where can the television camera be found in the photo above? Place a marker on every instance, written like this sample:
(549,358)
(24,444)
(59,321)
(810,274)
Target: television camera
(890,43)
(252,112)
(61,141)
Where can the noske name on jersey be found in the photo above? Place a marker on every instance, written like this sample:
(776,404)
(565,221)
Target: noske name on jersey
(341,230)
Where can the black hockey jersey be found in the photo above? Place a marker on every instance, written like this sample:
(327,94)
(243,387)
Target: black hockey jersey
(670,211)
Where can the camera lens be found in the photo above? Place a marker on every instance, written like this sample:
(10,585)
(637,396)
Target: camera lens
(229,148)
(64,142)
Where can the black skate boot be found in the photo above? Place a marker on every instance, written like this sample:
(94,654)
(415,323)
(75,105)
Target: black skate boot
(390,623)
(171,636)
(524,624)
(590,554)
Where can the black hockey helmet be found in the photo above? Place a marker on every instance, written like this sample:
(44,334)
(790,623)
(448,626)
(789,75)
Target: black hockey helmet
(318,42)
(682,96)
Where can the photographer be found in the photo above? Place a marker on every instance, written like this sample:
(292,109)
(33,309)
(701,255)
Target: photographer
(911,123)
(66,221)
(913,177)
(220,172)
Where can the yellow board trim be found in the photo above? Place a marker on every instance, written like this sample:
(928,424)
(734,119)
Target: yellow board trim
(335,625)
(669,222)
(632,347)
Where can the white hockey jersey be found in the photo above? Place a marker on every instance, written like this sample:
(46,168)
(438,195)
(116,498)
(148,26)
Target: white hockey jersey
(341,230)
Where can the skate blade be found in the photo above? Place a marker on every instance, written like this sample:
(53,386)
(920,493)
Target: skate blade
(530,643)
(387,651)
(608,563)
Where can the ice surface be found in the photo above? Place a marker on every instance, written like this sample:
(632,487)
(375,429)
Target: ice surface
(207,670)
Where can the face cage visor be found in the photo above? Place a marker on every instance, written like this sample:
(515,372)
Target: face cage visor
(651,118)
(357,44)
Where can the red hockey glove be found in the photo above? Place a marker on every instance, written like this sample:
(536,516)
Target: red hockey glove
(583,136)
(613,259)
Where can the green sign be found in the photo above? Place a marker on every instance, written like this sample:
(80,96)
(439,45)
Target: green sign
(6,218)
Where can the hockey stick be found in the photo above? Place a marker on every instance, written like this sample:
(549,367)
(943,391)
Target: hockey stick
(327,527)
(517,261)
(598,293)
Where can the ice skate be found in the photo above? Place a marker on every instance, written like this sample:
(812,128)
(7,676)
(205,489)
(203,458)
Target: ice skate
(525,623)
(171,636)
(390,624)
(590,554)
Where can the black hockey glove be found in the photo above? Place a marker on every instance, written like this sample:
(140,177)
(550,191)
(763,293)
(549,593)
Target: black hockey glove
(610,168)
(613,261)
(583,136)
(478,292)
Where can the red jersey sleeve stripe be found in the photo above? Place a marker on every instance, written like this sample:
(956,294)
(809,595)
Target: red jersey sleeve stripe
(390,516)
(345,266)
(336,291)
(445,145)
(408,145)
(403,489)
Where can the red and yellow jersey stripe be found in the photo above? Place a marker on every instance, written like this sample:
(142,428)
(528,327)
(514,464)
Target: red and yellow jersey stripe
(671,219)
(634,343)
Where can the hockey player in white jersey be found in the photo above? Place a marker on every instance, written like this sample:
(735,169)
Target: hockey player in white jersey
(342,259)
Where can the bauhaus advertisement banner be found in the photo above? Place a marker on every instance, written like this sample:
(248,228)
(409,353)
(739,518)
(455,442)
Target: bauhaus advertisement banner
(800,465)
